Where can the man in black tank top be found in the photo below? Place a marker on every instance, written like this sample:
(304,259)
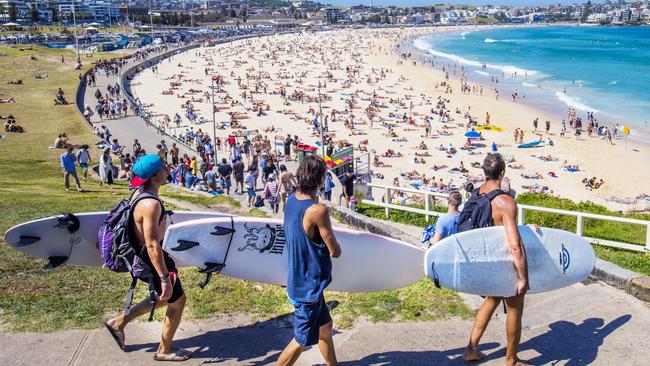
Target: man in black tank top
(504,213)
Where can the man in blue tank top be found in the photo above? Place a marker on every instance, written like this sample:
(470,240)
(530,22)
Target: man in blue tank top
(310,244)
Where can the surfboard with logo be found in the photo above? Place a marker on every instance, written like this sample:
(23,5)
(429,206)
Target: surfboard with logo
(478,261)
(254,249)
(72,238)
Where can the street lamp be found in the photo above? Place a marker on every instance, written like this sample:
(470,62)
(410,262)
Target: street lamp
(214,123)
(320,122)
(76,36)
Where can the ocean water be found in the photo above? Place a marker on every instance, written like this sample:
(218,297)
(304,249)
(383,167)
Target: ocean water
(605,70)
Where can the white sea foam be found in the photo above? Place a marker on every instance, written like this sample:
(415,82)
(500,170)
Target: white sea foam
(490,40)
(528,84)
(507,69)
(463,34)
(574,102)
(482,72)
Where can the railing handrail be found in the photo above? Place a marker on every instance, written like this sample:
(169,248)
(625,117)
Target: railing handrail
(584,214)
(579,215)
(409,190)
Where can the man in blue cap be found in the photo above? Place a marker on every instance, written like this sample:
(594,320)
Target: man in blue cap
(147,229)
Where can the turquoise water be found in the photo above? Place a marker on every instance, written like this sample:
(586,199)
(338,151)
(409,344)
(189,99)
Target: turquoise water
(605,70)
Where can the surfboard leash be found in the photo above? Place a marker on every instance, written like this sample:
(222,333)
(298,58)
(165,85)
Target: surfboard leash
(211,268)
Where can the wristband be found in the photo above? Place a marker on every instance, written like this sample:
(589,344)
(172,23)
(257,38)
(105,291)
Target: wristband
(164,278)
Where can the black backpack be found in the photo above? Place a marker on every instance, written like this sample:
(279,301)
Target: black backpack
(477,212)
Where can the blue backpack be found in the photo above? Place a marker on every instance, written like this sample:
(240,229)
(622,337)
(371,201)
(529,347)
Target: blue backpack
(427,233)
(477,212)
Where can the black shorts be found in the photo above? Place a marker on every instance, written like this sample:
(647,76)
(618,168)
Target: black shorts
(177,291)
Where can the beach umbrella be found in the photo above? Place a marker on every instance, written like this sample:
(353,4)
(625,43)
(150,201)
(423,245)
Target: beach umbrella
(494,147)
(472,135)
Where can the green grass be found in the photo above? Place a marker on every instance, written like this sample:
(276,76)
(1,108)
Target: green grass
(634,261)
(31,186)
(403,217)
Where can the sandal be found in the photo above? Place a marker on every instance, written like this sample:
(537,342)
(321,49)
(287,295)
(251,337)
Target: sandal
(177,356)
(117,335)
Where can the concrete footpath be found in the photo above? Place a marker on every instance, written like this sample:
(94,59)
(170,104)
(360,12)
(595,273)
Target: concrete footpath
(584,324)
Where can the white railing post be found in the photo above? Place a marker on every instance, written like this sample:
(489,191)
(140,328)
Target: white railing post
(387,195)
(426,205)
(520,215)
(579,223)
(647,238)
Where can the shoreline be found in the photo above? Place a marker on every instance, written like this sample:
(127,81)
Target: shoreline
(556,105)
(373,48)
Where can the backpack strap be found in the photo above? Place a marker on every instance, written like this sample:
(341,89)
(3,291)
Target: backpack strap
(494,193)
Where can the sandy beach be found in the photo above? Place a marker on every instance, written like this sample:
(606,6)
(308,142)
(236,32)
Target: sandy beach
(377,98)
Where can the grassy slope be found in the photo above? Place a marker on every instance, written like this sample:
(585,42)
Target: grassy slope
(75,297)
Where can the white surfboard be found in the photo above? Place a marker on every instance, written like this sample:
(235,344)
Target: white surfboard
(254,249)
(73,239)
(478,261)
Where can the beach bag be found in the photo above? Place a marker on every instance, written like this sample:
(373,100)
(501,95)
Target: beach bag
(117,249)
(477,212)
(427,233)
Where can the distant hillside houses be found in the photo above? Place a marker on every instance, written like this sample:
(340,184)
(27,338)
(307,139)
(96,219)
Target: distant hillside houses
(175,12)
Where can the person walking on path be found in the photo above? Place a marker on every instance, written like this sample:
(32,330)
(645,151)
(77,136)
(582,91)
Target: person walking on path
(68,161)
(249,182)
(287,185)
(272,192)
(310,244)
(147,229)
(348,186)
(446,224)
(83,158)
(504,212)
(225,170)
(238,171)
(106,168)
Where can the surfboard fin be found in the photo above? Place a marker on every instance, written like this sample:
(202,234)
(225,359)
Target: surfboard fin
(68,221)
(220,230)
(185,245)
(54,262)
(209,269)
(26,240)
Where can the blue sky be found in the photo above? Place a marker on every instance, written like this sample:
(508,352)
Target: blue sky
(467,2)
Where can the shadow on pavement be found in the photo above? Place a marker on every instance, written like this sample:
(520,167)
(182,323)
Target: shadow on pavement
(575,344)
(241,344)
(395,358)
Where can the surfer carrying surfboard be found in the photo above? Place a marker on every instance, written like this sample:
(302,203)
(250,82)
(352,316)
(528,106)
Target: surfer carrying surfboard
(503,213)
(310,244)
(148,226)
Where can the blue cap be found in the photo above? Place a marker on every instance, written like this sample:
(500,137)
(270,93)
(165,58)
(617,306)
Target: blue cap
(144,168)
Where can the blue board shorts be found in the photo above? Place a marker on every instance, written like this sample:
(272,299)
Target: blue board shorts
(83,166)
(251,192)
(308,317)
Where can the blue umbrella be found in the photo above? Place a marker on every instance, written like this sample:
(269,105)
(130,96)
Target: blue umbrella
(472,135)
(494,147)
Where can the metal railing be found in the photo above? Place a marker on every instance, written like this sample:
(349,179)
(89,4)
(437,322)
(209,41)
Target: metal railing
(430,200)
(580,218)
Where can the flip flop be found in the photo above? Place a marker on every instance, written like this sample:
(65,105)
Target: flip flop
(116,336)
(179,355)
